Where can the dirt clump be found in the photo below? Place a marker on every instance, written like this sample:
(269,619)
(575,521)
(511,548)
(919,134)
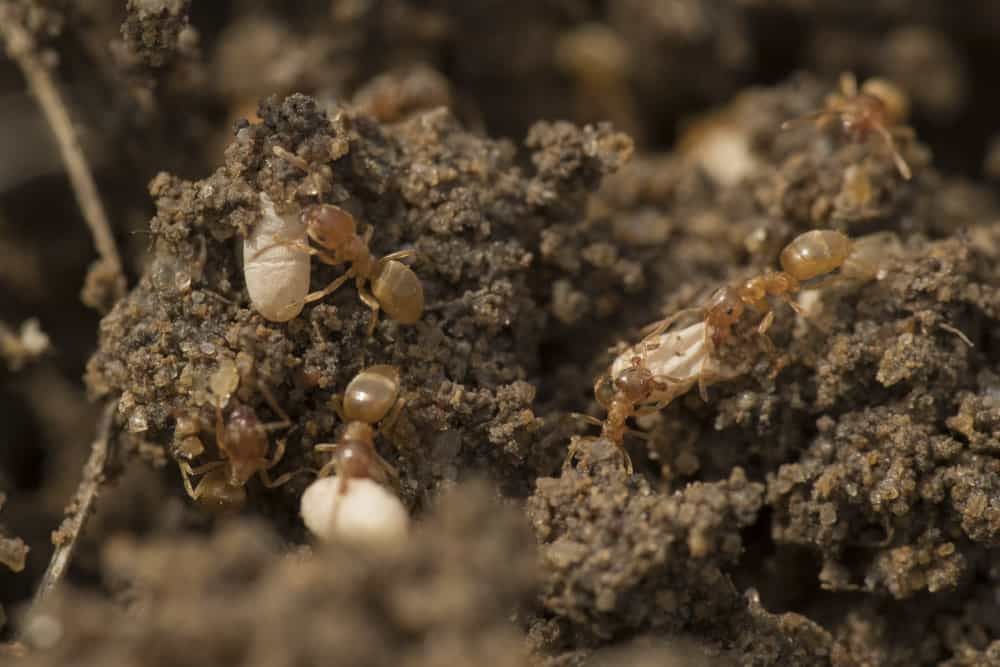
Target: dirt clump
(443,598)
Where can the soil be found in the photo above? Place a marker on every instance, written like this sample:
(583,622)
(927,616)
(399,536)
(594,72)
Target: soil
(567,172)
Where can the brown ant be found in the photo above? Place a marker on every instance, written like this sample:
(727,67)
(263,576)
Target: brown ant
(371,397)
(633,392)
(242,441)
(394,286)
(809,256)
(879,107)
(640,383)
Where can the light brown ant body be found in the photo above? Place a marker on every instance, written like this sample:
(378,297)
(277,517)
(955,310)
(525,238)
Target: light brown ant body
(395,288)
(634,392)
(243,443)
(371,397)
(879,108)
(809,256)
(638,386)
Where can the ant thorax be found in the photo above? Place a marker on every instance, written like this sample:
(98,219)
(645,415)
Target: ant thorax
(861,115)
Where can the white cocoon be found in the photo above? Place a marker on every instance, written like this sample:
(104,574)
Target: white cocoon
(366,513)
(277,275)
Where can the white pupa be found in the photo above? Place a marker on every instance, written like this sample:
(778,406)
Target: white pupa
(276,274)
(682,358)
(367,513)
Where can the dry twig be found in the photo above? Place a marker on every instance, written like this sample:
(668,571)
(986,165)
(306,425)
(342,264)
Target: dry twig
(67,535)
(22,49)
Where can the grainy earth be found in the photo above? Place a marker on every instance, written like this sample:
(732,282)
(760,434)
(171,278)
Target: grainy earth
(567,172)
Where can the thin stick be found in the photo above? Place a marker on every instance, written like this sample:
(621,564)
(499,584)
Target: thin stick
(67,535)
(21,49)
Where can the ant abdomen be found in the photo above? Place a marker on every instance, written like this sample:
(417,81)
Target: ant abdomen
(399,292)
(815,254)
(371,394)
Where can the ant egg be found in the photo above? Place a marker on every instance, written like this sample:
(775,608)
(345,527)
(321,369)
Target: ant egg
(275,270)
(364,513)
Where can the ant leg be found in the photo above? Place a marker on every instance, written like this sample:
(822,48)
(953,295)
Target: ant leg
(398,255)
(372,303)
(337,403)
(187,472)
(390,419)
(267,482)
(793,305)
(296,244)
(329,289)
(626,459)
(763,327)
(200,470)
(810,118)
(657,328)
(901,165)
(329,469)
(389,474)
(705,378)
(220,428)
(587,418)
(279,452)
(285,421)
(193,493)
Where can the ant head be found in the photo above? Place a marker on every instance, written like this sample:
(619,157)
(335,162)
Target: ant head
(328,225)
(725,308)
(243,417)
(244,441)
(635,382)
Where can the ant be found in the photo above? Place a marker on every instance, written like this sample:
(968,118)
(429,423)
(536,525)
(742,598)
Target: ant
(639,384)
(242,441)
(394,286)
(371,397)
(879,107)
(633,392)
(811,255)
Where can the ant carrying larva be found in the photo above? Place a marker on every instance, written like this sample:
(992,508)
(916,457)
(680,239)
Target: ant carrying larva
(355,497)
(666,364)
(395,288)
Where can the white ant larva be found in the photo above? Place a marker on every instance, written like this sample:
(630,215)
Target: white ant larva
(276,274)
(683,356)
(362,511)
